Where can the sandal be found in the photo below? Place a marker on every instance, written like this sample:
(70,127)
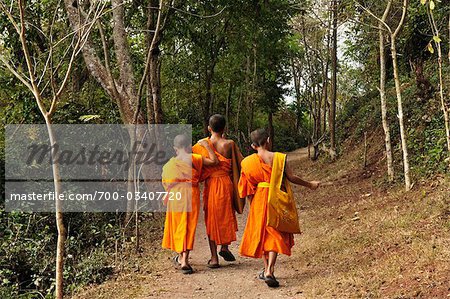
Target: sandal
(187,270)
(175,261)
(227,256)
(271,281)
(261,275)
(212,266)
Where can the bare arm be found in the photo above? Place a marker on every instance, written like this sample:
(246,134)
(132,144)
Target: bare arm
(212,160)
(295,179)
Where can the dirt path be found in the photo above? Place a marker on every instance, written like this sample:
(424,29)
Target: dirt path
(232,280)
(359,241)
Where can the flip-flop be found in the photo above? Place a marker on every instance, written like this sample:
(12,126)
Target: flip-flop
(187,270)
(263,277)
(271,282)
(212,266)
(227,256)
(175,261)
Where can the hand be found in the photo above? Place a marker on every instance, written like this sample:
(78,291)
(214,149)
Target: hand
(313,185)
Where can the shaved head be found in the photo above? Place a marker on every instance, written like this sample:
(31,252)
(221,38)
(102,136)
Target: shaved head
(217,123)
(259,137)
(181,141)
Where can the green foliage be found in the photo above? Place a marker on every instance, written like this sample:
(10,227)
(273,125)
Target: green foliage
(27,259)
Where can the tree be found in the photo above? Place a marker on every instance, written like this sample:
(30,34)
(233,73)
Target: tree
(311,68)
(334,66)
(437,42)
(382,90)
(52,76)
(393,34)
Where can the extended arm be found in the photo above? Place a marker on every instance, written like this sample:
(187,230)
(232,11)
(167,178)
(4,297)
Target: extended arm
(295,179)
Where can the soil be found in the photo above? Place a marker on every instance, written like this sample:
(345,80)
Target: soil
(359,240)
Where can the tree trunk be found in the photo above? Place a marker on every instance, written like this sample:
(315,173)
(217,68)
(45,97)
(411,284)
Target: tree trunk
(208,99)
(155,82)
(154,104)
(384,120)
(296,74)
(400,115)
(271,130)
(228,103)
(332,114)
(441,95)
(61,240)
(236,125)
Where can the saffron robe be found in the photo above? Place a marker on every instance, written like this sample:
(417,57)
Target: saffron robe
(182,215)
(259,239)
(220,217)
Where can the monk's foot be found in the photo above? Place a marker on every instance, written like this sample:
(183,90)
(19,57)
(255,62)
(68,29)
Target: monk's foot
(187,269)
(227,255)
(176,261)
(269,279)
(213,263)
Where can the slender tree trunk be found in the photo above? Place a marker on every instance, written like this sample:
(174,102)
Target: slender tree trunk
(400,115)
(236,126)
(441,95)
(61,240)
(384,120)
(332,114)
(155,69)
(208,98)
(271,130)
(325,76)
(228,103)
(149,102)
(296,77)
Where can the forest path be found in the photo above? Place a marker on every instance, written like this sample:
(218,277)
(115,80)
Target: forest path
(232,280)
(359,240)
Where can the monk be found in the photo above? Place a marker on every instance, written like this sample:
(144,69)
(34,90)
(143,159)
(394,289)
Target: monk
(259,239)
(180,178)
(220,218)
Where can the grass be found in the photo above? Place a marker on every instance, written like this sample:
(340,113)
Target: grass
(363,240)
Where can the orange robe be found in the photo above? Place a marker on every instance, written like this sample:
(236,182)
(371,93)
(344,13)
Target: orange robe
(259,239)
(182,215)
(220,217)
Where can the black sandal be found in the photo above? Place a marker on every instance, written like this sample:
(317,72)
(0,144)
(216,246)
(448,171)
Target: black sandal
(271,281)
(227,256)
(212,266)
(187,270)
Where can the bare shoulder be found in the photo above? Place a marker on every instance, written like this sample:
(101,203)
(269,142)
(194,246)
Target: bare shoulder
(228,143)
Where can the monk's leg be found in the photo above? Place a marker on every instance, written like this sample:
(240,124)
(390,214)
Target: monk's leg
(184,260)
(213,249)
(270,268)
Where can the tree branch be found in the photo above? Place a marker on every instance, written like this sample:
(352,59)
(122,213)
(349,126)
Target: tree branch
(402,20)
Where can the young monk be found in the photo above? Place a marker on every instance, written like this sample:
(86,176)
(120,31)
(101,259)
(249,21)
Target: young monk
(220,218)
(181,176)
(260,240)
